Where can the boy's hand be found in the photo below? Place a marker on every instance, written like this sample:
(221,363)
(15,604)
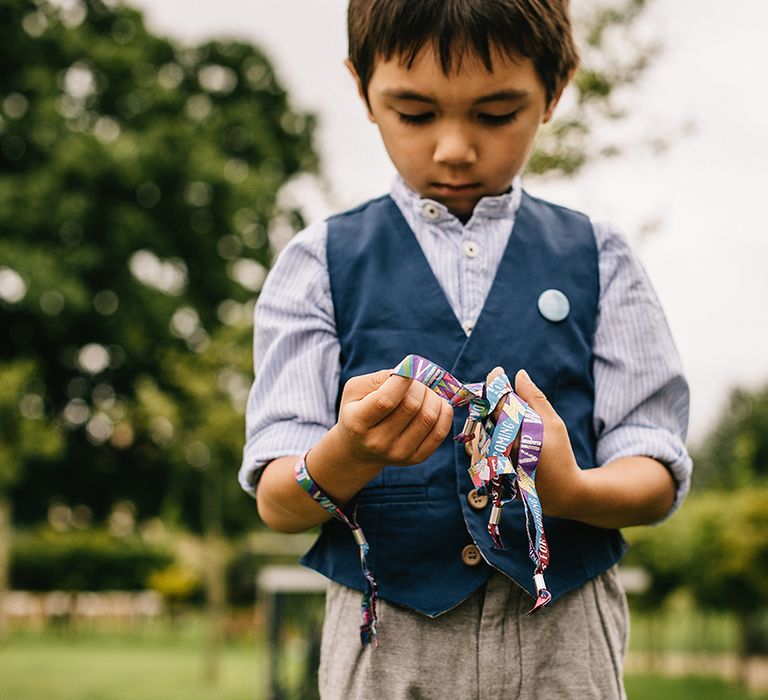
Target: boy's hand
(387,419)
(559,480)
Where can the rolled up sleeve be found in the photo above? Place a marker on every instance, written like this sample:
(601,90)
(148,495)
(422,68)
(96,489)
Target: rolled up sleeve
(641,395)
(292,400)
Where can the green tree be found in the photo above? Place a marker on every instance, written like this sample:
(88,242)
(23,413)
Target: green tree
(735,453)
(138,182)
(716,547)
(614,60)
(27,432)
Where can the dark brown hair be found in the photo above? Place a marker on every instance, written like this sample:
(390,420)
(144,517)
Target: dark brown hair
(536,29)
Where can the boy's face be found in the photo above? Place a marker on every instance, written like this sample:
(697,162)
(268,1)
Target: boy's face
(460,137)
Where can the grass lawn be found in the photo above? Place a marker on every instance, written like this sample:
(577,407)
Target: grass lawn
(650,687)
(96,667)
(163,665)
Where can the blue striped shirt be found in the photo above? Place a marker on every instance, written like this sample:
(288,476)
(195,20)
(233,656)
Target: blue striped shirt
(641,395)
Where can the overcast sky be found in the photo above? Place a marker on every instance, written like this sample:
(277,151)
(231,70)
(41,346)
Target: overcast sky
(709,256)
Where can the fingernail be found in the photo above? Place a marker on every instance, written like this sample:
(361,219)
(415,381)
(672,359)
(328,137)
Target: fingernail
(526,375)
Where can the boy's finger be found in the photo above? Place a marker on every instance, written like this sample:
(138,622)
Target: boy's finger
(495,372)
(438,433)
(532,395)
(406,412)
(358,387)
(415,418)
(379,403)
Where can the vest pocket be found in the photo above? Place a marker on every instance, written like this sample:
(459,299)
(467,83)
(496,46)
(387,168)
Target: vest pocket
(393,494)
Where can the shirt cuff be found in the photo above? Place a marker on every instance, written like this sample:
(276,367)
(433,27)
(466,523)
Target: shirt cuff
(654,442)
(276,440)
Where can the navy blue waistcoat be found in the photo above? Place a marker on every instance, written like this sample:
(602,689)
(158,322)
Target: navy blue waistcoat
(389,304)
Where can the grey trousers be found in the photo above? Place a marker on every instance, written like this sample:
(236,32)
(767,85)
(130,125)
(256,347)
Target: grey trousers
(486,648)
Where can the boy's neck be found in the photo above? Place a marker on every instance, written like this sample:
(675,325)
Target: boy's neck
(463,218)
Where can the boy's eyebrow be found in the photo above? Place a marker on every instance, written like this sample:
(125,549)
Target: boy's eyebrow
(492,97)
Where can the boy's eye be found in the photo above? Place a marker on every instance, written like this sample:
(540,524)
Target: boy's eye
(422,118)
(498,119)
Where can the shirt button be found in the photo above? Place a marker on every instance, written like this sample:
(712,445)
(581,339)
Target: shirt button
(430,211)
(468,326)
(476,500)
(471,249)
(470,555)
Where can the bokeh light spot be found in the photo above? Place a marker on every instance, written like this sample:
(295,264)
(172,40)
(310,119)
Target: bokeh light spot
(13,288)
(197,454)
(32,406)
(169,276)
(99,428)
(170,76)
(218,79)
(248,273)
(229,247)
(199,107)
(15,105)
(236,170)
(35,24)
(106,129)
(93,358)
(52,302)
(75,413)
(106,302)
(198,194)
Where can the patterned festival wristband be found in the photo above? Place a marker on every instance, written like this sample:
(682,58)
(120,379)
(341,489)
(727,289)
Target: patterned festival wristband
(368,606)
(495,472)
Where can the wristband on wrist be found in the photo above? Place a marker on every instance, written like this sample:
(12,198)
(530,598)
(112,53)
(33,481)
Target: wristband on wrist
(368,606)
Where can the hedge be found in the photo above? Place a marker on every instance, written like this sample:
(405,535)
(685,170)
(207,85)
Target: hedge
(88,560)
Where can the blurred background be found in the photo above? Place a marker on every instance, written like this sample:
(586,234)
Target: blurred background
(155,157)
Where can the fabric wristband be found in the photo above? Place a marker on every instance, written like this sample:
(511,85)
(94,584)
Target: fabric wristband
(368,606)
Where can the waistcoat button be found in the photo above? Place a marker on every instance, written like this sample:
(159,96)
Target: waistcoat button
(470,555)
(476,500)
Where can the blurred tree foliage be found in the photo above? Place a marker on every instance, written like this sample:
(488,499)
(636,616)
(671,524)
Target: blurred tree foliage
(736,451)
(25,434)
(138,182)
(716,547)
(614,56)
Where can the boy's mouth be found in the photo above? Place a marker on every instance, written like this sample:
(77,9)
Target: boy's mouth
(453,188)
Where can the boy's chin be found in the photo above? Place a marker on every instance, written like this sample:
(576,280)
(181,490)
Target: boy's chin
(461,207)
(462,203)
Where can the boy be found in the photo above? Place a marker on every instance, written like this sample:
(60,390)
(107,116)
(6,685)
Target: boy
(459,265)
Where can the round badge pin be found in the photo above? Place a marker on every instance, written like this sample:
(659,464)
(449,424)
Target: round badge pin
(554,305)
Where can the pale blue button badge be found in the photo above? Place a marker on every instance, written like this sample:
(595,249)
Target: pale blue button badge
(554,305)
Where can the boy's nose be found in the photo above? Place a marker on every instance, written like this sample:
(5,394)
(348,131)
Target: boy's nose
(454,147)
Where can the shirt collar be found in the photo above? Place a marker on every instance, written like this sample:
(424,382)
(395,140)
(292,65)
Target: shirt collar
(497,207)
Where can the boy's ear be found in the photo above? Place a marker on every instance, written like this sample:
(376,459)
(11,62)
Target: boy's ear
(351,67)
(553,102)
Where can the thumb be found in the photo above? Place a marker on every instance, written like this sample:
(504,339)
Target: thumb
(531,394)
(360,386)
